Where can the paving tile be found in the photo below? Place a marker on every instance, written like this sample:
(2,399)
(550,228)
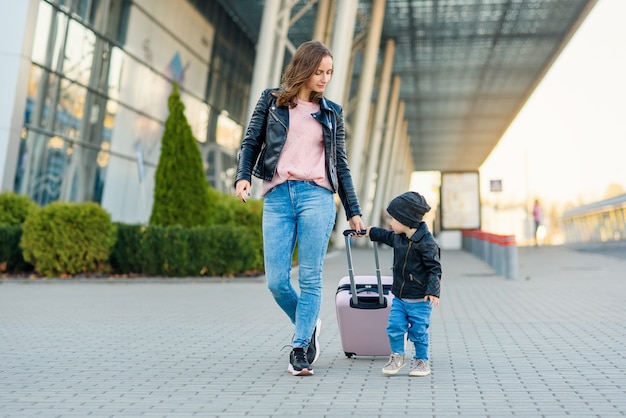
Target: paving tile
(543,345)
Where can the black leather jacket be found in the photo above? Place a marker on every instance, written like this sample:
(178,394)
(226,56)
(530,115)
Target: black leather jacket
(266,135)
(416,262)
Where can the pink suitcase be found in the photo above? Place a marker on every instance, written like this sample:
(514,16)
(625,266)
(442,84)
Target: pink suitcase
(363,304)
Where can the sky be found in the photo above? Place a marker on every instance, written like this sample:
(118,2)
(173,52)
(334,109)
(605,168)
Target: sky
(568,143)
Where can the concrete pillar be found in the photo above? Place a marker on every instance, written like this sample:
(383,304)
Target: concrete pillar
(383,168)
(341,49)
(280,43)
(323,21)
(366,85)
(377,130)
(405,180)
(400,163)
(390,189)
(264,60)
(407,158)
(17,20)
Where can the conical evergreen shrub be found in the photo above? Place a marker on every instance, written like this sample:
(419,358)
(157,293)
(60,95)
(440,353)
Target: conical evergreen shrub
(181,194)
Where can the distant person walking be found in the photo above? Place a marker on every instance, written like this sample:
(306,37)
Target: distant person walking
(538,217)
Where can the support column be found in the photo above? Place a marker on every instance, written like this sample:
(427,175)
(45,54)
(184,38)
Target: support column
(18,20)
(389,188)
(323,21)
(341,48)
(404,163)
(383,168)
(360,124)
(396,162)
(280,42)
(396,187)
(264,60)
(378,128)
(403,184)
(400,163)
(410,167)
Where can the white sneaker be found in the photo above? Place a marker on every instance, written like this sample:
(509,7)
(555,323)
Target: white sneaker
(419,368)
(395,363)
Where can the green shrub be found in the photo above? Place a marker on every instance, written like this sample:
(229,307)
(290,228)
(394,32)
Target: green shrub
(126,254)
(164,251)
(180,191)
(214,201)
(15,208)
(68,238)
(229,210)
(200,251)
(230,250)
(11,258)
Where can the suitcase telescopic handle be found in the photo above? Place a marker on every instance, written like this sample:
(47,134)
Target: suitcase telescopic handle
(355,300)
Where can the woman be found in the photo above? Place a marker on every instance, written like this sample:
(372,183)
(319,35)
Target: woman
(295,143)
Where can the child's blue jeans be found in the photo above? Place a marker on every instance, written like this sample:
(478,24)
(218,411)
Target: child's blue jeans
(417,315)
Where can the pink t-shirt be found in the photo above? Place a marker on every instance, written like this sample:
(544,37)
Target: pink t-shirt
(303,156)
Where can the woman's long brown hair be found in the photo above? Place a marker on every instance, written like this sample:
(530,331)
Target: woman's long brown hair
(302,66)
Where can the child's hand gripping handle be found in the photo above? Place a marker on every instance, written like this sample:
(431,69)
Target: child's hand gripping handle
(350,233)
(353,232)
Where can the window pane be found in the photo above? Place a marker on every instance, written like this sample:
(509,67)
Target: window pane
(70,109)
(42,34)
(79,53)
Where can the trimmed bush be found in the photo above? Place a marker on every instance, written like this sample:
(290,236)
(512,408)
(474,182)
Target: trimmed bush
(231,250)
(164,251)
(230,211)
(68,238)
(191,252)
(183,252)
(15,208)
(11,259)
(126,254)
(180,191)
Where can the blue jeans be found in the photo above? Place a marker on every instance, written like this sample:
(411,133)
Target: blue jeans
(303,212)
(415,314)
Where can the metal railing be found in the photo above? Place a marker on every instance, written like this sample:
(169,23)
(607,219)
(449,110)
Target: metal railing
(599,222)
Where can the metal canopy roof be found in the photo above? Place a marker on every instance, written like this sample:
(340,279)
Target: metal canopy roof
(467,66)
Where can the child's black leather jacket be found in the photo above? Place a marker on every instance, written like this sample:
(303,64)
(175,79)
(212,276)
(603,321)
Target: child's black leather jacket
(266,135)
(416,262)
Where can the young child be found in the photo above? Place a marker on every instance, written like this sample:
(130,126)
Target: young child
(416,280)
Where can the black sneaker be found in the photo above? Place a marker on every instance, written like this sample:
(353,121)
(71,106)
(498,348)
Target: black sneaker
(298,364)
(313,351)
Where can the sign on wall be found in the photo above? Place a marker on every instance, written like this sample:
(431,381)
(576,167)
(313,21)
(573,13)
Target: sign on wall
(495,185)
(460,200)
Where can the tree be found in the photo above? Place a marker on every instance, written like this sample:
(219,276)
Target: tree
(181,192)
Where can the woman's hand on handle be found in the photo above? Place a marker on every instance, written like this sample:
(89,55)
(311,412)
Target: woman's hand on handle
(356,223)
(242,189)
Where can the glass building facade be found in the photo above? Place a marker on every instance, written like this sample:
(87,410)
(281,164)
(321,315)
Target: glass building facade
(100,75)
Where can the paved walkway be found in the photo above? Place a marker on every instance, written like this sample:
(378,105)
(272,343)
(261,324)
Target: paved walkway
(552,344)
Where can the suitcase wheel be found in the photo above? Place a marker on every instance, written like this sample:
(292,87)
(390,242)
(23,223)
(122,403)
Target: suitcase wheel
(349,355)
